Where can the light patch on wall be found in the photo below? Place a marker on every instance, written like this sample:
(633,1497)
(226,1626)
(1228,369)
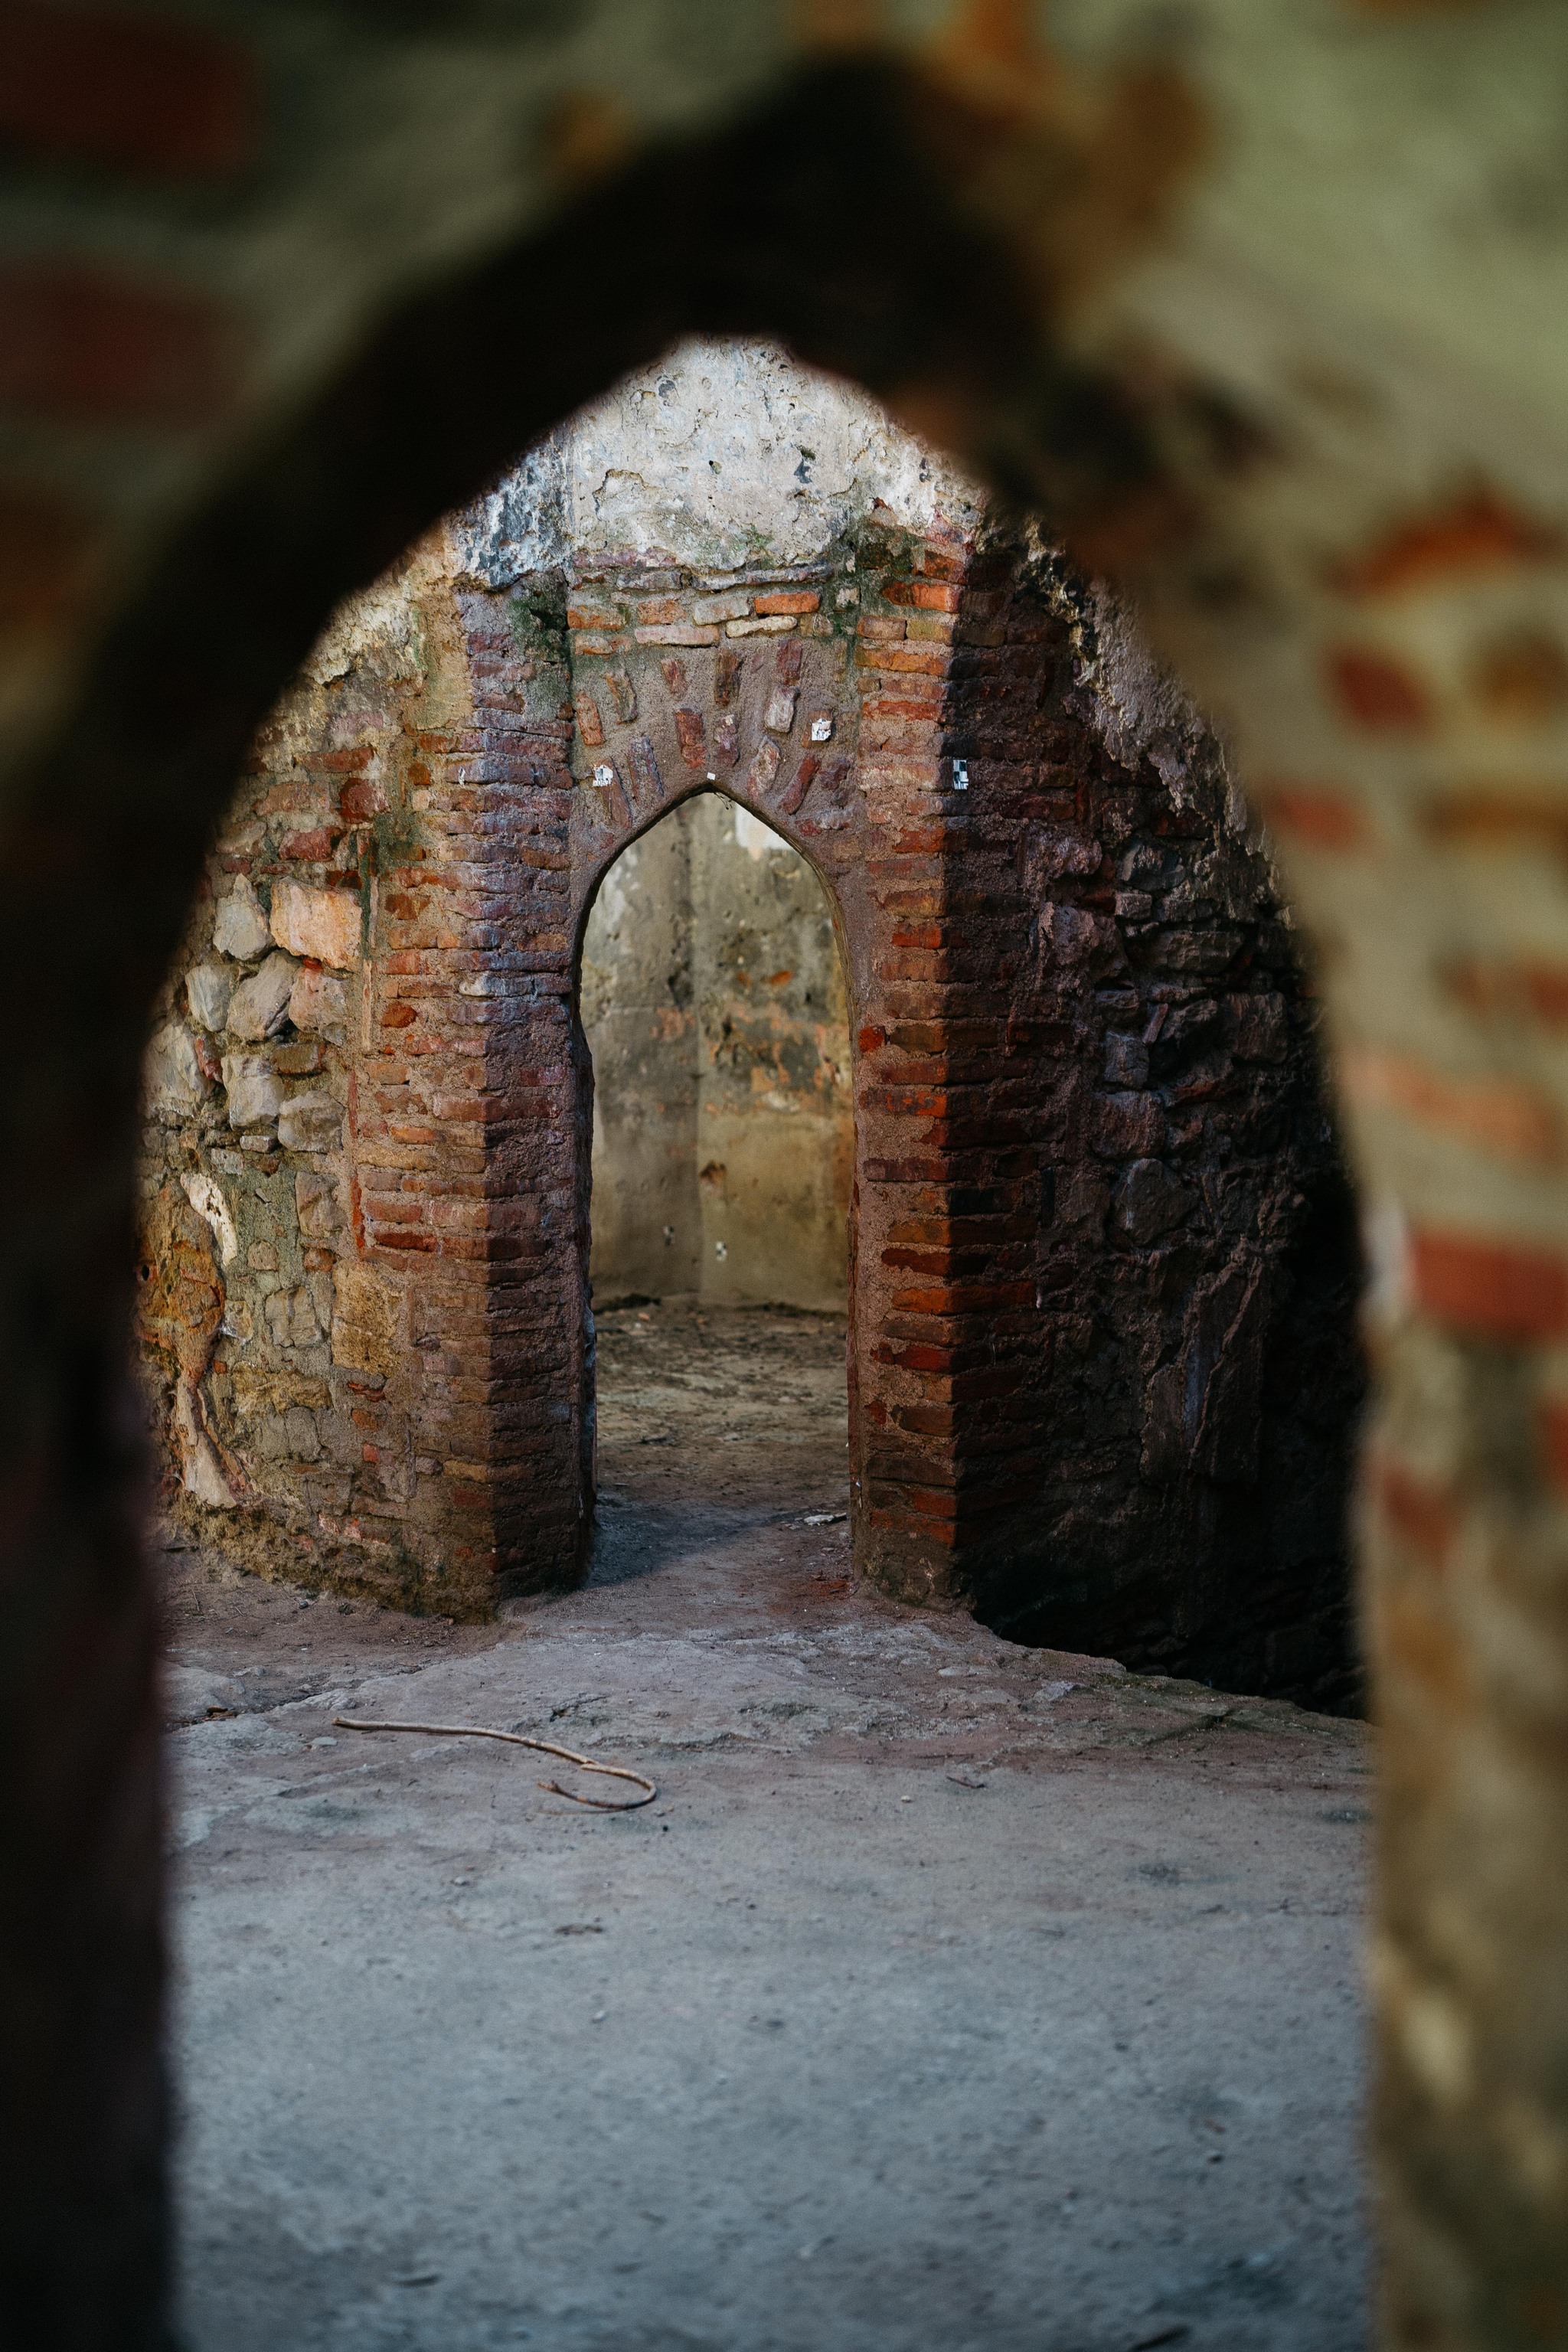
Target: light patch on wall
(207,1201)
(613,893)
(752,836)
(716,1017)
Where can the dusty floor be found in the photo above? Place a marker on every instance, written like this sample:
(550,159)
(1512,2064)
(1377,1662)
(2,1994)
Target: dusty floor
(951,1995)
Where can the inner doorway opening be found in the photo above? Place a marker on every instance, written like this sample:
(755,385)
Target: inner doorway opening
(712,996)
(713,1001)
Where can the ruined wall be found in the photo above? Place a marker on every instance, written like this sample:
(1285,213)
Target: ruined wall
(322,1102)
(1102,1379)
(1192,1250)
(713,998)
(1320,251)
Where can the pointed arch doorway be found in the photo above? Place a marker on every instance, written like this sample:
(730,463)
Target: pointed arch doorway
(714,1007)
(712,995)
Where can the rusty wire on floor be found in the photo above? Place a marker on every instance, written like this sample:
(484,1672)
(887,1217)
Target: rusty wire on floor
(519,1740)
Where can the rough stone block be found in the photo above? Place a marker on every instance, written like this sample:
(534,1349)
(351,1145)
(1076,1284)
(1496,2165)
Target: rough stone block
(1260,1028)
(260,1005)
(317,1206)
(304,1438)
(681,633)
(311,1122)
(367,1315)
(1128,1126)
(1148,1201)
(317,1000)
(173,1083)
(207,990)
(778,716)
(255,1093)
(239,925)
(322,924)
(291,1319)
(1126,1062)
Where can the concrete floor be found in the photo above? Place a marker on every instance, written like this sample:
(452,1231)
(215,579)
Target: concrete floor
(952,1997)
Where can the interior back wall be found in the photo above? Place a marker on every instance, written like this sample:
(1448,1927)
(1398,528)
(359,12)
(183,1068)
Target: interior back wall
(714,1004)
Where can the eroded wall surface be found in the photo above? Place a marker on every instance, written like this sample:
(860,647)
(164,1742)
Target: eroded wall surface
(713,998)
(320,1420)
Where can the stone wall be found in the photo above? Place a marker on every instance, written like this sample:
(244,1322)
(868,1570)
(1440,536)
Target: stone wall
(1102,1378)
(326,1132)
(712,999)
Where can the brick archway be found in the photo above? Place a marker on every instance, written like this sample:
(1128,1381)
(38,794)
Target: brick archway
(903,714)
(1101,1365)
(140,771)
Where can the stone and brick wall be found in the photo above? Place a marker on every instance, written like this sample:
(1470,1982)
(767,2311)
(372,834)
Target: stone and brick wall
(1103,1380)
(363,1085)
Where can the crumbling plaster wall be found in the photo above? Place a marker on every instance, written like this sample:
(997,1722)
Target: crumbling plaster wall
(713,1002)
(294,1400)
(1102,1375)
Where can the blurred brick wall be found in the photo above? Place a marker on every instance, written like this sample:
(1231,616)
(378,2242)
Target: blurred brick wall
(1298,288)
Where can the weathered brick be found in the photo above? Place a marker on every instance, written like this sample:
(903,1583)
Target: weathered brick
(1489,1286)
(734,604)
(788,600)
(140,93)
(680,633)
(81,341)
(690,736)
(590,726)
(1377,692)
